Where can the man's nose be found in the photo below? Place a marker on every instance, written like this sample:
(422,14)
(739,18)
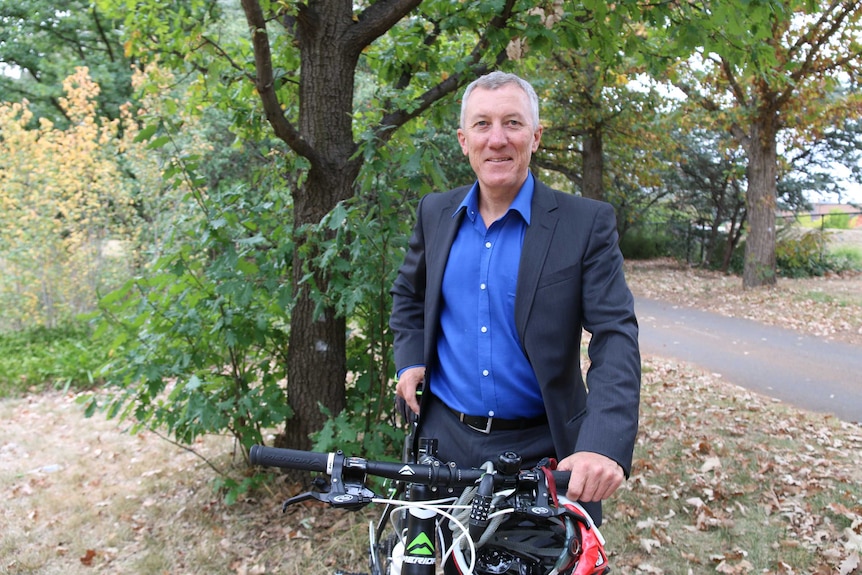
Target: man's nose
(498,136)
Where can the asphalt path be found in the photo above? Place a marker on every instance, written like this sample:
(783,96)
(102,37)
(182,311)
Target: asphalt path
(805,371)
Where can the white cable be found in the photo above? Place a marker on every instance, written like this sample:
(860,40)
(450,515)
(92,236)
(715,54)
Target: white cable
(565,500)
(435,507)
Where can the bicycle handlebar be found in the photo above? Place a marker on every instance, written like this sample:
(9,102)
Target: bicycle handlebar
(433,475)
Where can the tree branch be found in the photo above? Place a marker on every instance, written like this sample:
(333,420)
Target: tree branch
(475,67)
(265,84)
(102,35)
(377,19)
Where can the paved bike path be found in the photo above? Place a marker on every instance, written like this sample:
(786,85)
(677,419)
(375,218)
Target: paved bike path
(805,371)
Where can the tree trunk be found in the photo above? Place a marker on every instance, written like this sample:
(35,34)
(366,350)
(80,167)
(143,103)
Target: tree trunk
(759,268)
(592,184)
(317,365)
(594,164)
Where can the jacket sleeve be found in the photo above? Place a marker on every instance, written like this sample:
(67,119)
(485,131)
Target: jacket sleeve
(613,377)
(407,320)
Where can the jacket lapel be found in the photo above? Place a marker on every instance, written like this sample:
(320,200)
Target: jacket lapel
(534,252)
(442,229)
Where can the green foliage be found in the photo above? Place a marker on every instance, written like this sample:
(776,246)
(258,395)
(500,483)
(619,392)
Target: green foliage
(646,242)
(802,255)
(203,333)
(42,358)
(362,254)
(846,258)
(45,41)
(836,220)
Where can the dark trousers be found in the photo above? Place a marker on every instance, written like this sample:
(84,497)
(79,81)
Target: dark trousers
(467,447)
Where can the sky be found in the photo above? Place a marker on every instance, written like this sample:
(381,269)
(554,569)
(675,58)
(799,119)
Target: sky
(852,191)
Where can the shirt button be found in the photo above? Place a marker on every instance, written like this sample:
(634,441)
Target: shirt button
(485,372)
(484,329)
(482,286)
(487,244)
(491,413)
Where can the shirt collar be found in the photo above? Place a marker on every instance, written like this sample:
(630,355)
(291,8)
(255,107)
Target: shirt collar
(522,203)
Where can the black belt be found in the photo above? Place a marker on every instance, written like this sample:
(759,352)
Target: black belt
(489,424)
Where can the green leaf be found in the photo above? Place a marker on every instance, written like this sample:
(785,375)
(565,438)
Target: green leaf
(146,133)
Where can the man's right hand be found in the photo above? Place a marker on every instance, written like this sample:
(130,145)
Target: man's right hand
(407,385)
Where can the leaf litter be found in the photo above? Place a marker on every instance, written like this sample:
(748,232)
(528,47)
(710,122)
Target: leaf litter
(724,481)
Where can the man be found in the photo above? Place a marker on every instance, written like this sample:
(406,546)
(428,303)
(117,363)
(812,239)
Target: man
(498,282)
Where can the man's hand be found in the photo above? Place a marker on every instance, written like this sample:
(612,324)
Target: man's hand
(405,390)
(594,476)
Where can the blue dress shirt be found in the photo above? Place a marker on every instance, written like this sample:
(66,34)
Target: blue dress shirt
(482,367)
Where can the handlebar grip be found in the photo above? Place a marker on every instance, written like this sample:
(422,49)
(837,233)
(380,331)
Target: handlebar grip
(289,458)
(561,478)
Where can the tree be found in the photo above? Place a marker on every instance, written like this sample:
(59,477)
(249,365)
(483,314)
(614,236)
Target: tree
(331,38)
(766,69)
(579,77)
(300,61)
(813,159)
(707,178)
(41,43)
(66,212)
(600,130)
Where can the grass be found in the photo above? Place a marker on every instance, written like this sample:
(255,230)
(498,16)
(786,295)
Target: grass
(727,481)
(43,358)
(847,257)
(724,481)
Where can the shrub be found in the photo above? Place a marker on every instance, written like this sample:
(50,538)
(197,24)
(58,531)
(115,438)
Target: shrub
(644,244)
(837,220)
(809,255)
(43,358)
(846,258)
(802,255)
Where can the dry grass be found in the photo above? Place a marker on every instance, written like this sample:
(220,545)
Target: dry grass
(725,481)
(829,307)
(83,496)
(728,481)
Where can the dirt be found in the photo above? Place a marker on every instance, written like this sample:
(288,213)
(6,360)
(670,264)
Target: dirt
(85,495)
(828,307)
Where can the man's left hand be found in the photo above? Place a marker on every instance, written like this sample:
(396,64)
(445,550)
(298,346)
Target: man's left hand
(594,476)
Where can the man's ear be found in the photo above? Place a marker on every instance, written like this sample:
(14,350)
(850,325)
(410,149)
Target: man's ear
(537,137)
(462,140)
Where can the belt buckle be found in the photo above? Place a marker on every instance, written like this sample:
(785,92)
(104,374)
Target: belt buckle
(486,431)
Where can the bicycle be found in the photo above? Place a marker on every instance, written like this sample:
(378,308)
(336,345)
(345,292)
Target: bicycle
(504,519)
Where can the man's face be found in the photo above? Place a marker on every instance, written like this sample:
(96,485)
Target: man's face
(498,137)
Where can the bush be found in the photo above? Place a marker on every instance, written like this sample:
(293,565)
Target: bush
(846,258)
(837,220)
(809,255)
(644,244)
(43,358)
(802,255)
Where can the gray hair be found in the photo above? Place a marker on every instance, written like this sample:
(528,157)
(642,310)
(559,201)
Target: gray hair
(497,79)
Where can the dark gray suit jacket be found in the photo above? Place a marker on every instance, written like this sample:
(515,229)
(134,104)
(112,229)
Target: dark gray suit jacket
(570,278)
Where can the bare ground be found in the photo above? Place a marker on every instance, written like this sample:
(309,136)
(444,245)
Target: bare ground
(829,307)
(83,495)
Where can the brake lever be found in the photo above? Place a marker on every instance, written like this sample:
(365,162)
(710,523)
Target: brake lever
(355,497)
(538,500)
(345,488)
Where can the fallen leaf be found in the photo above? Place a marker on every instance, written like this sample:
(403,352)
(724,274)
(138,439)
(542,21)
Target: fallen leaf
(849,565)
(88,557)
(649,544)
(711,464)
